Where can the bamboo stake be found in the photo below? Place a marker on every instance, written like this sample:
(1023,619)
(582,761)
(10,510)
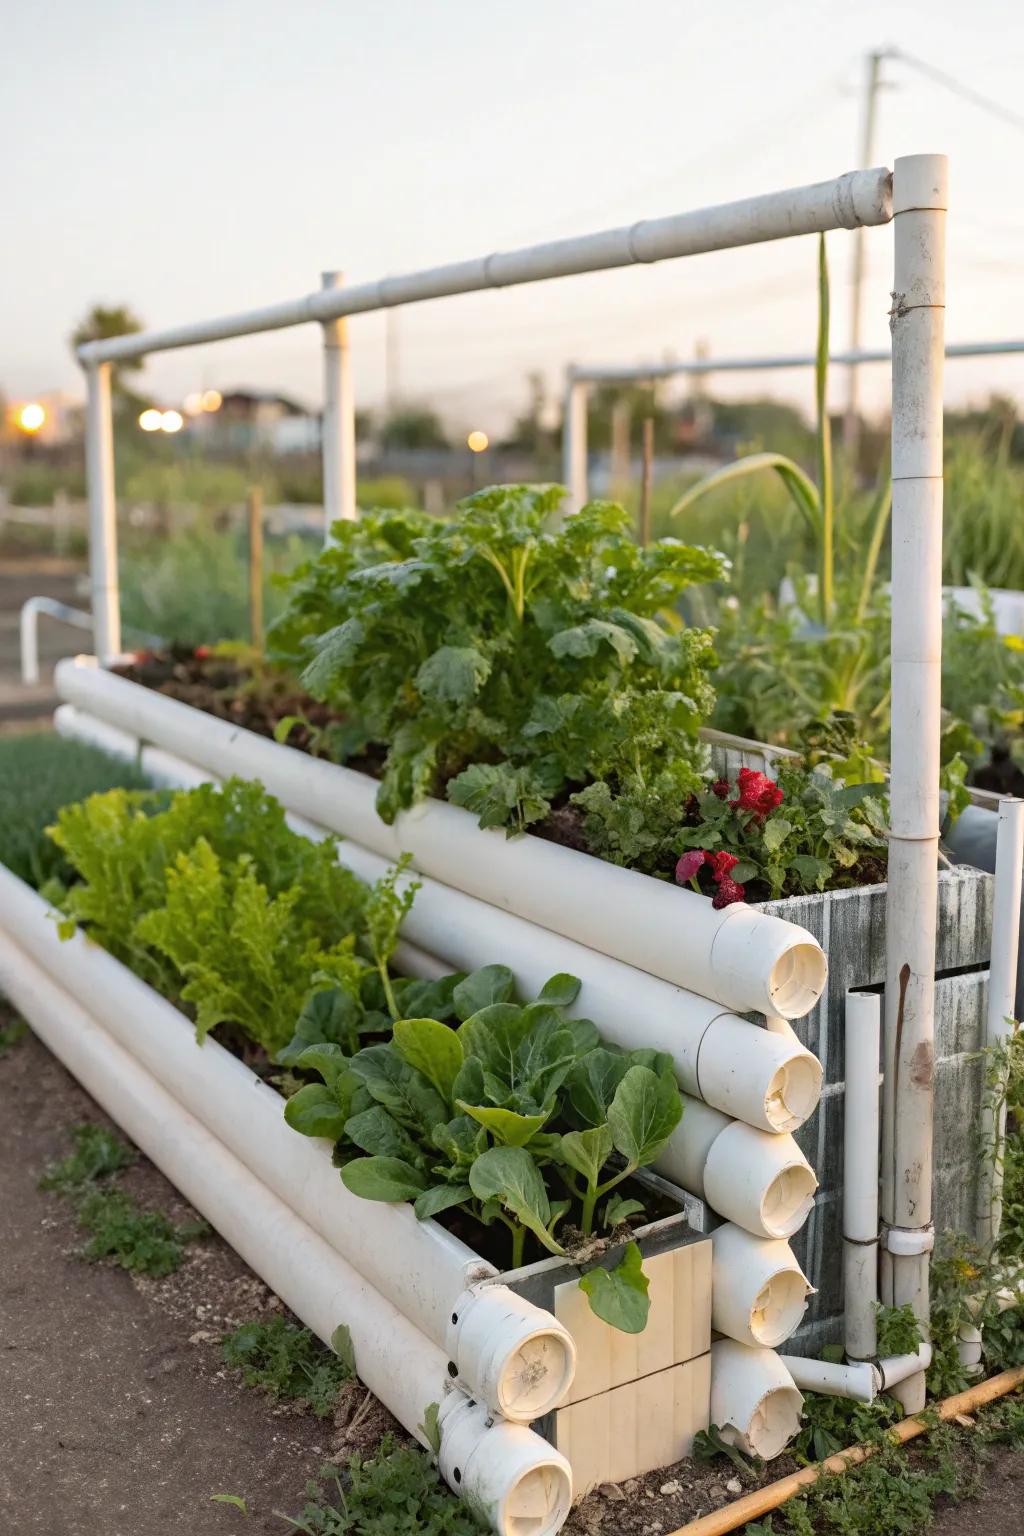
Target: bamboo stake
(763,1500)
(254,509)
(646,479)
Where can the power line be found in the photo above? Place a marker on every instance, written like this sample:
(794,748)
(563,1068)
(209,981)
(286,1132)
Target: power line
(958,88)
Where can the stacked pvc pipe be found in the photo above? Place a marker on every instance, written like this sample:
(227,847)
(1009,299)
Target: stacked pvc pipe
(509,1476)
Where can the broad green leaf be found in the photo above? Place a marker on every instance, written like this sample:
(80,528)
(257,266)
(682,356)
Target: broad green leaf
(584,1035)
(560,991)
(331,1016)
(341,1343)
(643,1114)
(507,1128)
(432,1048)
(441,1197)
(314,1111)
(377,1132)
(469,1084)
(592,1082)
(774,833)
(619,1209)
(461,1140)
(490,984)
(586,639)
(383,1178)
(285,726)
(619,1296)
(509,1174)
(400,1088)
(494,1036)
(327,1059)
(453,674)
(429,999)
(430,1429)
(588,1151)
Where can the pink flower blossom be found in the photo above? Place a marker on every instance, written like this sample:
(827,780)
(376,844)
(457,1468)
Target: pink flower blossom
(688,865)
(722,864)
(728,892)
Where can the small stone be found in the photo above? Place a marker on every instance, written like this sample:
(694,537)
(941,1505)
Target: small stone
(734,1486)
(612,1492)
(716,1493)
(671,1487)
(649,1492)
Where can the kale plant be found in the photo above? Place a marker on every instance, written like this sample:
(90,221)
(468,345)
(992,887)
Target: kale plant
(505,657)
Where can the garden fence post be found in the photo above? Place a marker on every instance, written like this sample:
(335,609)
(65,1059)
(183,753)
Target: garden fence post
(917,324)
(99,469)
(1001,1003)
(574,443)
(338,433)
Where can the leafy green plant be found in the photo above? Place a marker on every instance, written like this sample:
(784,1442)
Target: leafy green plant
(143,1242)
(288,1362)
(391,1493)
(888,1495)
(99,1154)
(830,1424)
(899,1331)
(504,657)
(210,897)
(12,1032)
(500,1117)
(39,774)
(710,1443)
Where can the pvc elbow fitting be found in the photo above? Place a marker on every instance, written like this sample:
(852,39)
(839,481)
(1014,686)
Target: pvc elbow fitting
(754,1400)
(759,1292)
(512,1479)
(517,1359)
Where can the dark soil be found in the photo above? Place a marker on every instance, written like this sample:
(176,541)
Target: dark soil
(117,1417)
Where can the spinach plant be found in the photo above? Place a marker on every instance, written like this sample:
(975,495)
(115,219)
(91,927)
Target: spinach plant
(516,1114)
(505,657)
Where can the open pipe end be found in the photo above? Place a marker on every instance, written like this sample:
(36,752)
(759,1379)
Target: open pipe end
(535,1376)
(797,980)
(793,1092)
(512,1355)
(774,1423)
(787,1200)
(779,1307)
(513,1480)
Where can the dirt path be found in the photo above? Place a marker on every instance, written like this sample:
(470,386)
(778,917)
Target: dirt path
(116,1418)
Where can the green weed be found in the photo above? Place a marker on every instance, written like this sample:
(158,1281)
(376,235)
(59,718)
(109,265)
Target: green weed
(99,1153)
(288,1362)
(143,1242)
(392,1493)
(12,1032)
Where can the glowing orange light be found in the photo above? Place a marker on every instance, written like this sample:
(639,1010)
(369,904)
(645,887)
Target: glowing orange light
(477,442)
(31,417)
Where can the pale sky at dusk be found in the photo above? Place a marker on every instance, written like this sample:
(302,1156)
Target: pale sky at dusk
(198,158)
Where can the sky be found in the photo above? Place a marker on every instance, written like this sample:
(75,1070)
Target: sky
(214,155)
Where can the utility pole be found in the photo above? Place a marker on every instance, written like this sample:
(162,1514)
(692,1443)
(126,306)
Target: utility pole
(851,423)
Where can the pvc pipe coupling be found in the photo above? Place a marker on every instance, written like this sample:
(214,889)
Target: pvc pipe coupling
(907,1242)
(759,1292)
(761,1182)
(517,1359)
(513,1480)
(775,967)
(754,1400)
(767,1078)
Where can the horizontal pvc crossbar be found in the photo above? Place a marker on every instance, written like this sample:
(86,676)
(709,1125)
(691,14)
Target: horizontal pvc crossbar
(616,373)
(846,202)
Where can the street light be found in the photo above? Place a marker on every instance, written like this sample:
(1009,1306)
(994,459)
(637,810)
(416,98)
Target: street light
(171,421)
(31,417)
(478,442)
(151,421)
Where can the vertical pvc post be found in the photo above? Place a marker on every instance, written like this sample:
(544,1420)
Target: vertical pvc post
(99,471)
(338,433)
(574,444)
(860,1175)
(917,324)
(1002,996)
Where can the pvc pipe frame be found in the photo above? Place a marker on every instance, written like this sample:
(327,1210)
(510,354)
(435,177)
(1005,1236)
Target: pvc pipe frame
(861,1380)
(28,630)
(738,957)
(917,324)
(338,431)
(1002,993)
(508,1474)
(428,1274)
(863,1028)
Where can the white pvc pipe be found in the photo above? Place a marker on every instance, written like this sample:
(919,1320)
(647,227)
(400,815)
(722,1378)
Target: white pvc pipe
(859,1381)
(863,1028)
(758,1290)
(763,1183)
(739,957)
(338,430)
(767,1079)
(514,1479)
(754,1400)
(99,470)
(919,208)
(858,197)
(574,445)
(1001,1004)
(419,1265)
(28,629)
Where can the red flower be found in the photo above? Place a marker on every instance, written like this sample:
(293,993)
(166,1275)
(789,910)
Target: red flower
(201,652)
(757,794)
(689,864)
(728,892)
(722,864)
(720,788)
